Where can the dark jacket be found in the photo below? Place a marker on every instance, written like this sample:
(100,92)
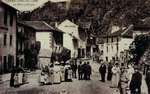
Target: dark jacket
(80,70)
(136,80)
(102,68)
(148,79)
(88,69)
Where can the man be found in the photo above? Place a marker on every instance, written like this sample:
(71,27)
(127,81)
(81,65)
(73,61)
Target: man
(84,70)
(109,76)
(80,71)
(123,80)
(102,71)
(12,77)
(74,69)
(136,81)
(148,80)
(89,71)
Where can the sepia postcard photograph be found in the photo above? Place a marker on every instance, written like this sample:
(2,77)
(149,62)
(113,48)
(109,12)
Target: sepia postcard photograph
(74,46)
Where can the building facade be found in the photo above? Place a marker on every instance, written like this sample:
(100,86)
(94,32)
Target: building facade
(25,40)
(50,39)
(8,17)
(74,39)
(113,44)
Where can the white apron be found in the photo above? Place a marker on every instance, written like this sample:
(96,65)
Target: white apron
(115,76)
(57,74)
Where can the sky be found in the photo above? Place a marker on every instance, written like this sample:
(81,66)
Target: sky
(28,5)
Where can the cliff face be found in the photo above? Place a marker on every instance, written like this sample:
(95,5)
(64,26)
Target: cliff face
(102,13)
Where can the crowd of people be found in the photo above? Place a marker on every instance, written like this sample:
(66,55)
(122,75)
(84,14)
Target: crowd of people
(84,70)
(59,72)
(126,77)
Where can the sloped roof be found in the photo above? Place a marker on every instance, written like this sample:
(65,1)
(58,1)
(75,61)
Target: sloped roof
(68,22)
(39,25)
(128,33)
(117,33)
(9,6)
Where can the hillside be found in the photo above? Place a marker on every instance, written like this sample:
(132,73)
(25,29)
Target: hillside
(102,13)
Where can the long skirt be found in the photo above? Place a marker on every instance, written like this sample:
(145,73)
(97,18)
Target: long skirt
(115,80)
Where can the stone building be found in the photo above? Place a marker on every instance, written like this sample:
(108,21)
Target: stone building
(25,40)
(8,17)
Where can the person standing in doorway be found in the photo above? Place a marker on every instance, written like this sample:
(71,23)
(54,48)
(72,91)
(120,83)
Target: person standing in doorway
(102,71)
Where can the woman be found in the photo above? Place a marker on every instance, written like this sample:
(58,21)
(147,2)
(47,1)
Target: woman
(130,73)
(116,75)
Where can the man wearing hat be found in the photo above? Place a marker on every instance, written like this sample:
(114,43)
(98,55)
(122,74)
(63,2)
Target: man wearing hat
(102,71)
(136,81)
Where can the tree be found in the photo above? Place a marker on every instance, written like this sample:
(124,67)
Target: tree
(141,44)
(101,13)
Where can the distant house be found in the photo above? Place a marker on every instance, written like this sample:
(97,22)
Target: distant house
(8,17)
(70,37)
(91,48)
(113,44)
(50,38)
(74,38)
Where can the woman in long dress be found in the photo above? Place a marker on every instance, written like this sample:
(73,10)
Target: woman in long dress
(130,73)
(115,75)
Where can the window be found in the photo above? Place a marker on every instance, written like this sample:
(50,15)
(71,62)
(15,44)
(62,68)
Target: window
(11,37)
(11,19)
(10,61)
(117,39)
(107,48)
(5,39)
(106,58)
(1,66)
(5,17)
(5,63)
(107,39)
(112,40)
(1,41)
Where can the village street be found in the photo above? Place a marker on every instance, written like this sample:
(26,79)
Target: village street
(75,87)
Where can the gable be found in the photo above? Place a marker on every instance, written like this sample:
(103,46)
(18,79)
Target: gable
(68,27)
(68,23)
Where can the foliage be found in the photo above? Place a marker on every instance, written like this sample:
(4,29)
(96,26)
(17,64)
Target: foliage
(141,44)
(102,13)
